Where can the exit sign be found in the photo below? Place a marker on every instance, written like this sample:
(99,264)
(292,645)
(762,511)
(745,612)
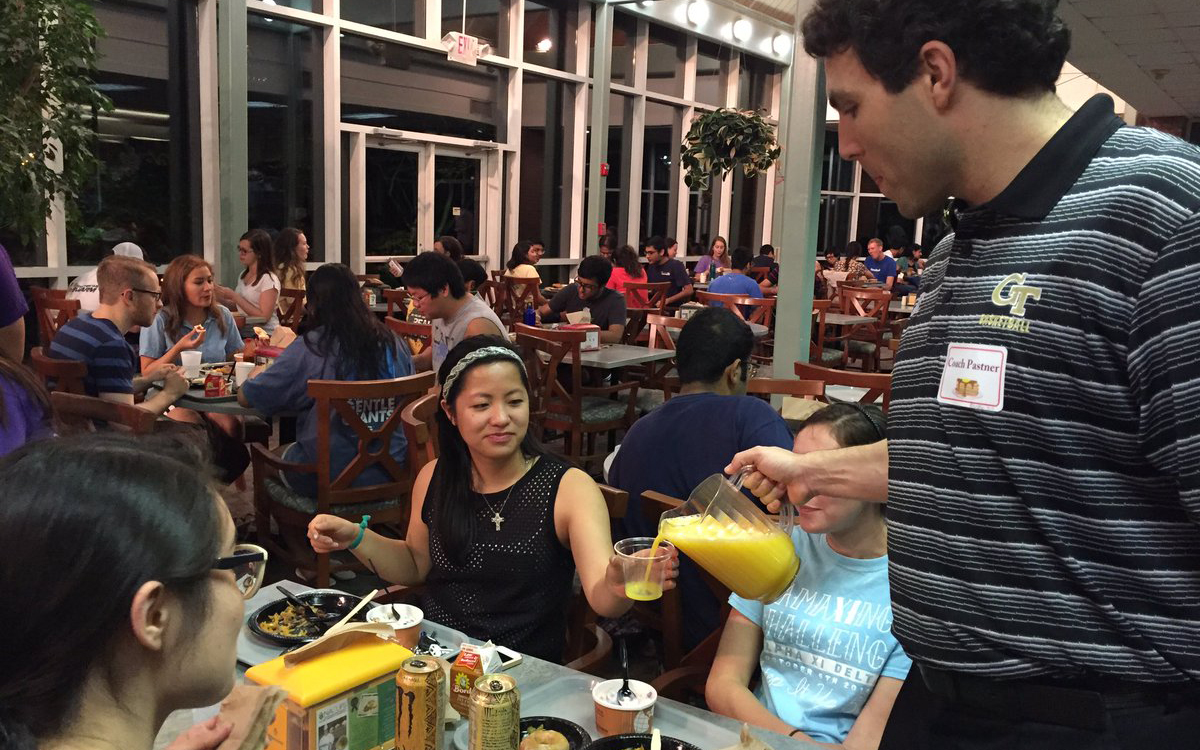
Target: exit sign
(462,48)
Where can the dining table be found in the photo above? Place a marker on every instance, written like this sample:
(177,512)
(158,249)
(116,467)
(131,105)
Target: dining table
(616,356)
(546,689)
(842,319)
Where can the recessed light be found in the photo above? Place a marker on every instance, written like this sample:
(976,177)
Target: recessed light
(697,12)
(781,44)
(742,29)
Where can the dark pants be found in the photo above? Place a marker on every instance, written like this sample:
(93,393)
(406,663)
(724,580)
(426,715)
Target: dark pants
(978,714)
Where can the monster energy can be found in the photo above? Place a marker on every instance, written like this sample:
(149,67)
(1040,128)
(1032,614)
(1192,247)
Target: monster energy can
(420,704)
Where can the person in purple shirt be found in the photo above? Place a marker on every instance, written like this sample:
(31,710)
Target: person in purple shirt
(12,310)
(24,406)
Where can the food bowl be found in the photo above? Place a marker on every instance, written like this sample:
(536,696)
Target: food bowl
(634,714)
(637,741)
(577,737)
(405,618)
(335,604)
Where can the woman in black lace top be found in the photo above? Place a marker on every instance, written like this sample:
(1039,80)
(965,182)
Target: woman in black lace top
(498,525)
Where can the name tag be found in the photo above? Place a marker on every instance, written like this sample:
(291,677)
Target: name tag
(973,376)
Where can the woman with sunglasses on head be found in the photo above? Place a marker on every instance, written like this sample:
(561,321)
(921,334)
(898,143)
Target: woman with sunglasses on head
(123,593)
(831,668)
(258,286)
(499,526)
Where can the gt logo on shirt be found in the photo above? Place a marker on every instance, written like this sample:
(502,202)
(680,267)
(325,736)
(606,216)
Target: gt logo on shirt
(1015,297)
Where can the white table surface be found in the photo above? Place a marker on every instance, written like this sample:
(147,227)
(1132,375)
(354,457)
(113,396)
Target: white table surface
(613,356)
(841,319)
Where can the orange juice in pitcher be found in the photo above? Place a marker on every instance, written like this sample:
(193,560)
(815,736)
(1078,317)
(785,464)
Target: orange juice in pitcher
(726,534)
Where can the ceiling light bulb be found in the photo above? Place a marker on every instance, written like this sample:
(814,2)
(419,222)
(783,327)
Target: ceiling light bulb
(781,44)
(697,12)
(742,29)
(544,46)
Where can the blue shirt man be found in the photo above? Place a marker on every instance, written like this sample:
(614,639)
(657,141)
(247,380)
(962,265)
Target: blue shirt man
(881,266)
(690,437)
(735,281)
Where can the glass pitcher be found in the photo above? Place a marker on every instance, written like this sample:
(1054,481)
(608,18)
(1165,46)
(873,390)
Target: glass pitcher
(730,537)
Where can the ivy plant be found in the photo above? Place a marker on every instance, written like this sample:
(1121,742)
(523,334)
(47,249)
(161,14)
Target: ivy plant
(46,71)
(724,140)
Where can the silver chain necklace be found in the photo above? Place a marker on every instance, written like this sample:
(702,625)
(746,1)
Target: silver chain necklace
(496,518)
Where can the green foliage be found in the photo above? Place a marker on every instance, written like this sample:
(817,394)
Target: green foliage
(47,61)
(724,140)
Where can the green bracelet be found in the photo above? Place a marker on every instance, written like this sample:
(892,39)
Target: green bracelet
(362,531)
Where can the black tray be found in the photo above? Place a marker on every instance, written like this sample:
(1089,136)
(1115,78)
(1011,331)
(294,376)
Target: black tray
(329,601)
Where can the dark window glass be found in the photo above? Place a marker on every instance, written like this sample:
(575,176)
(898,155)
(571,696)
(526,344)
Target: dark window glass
(393,15)
(710,87)
(664,63)
(757,87)
(544,171)
(658,210)
(456,199)
(833,224)
(394,86)
(868,184)
(837,174)
(391,202)
(145,188)
(283,62)
(550,33)
(745,219)
(623,43)
(878,217)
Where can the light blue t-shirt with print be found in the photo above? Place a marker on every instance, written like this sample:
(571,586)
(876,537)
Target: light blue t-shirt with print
(217,346)
(827,640)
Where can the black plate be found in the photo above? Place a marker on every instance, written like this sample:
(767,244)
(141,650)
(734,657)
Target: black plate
(328,601)
(625,741)
(577,736)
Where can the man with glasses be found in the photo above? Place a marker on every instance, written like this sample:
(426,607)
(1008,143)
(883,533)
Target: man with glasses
(690,437)
(439,293)
(130,296)
(606,306)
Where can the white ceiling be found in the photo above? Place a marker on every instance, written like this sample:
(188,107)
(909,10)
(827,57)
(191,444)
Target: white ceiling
(1147,51)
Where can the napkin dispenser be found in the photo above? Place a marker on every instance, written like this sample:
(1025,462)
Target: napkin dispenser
(591,339)
(337,699)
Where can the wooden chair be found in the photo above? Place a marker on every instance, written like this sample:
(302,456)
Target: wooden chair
(497,274)
(864,342)
(387,503)
(758,273)
(670,615)
(53,310)
(818,352)
(588,646)
(660,330)
(491,293)
(290,307)
(420,430)
(810,391)
(519,293)
(75,412)
(418,336)
(397,299)
(369,278)
(62,375)
(649,295)
(562,402)
(877,384)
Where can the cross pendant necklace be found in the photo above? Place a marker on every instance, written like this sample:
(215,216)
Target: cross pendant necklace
(496,518)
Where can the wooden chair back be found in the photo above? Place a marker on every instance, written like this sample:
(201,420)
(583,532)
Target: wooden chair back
(660,330)
(756,310)
(53,310)
(75,412)
(62,375)
(397,299)
(491,293)
(497,274)
(420,429)
(867,302)
(806,389)
(418,336)
(758,273)
(728,301)
(651,295)
(545,351)
(519,293)
(877,383)
(290,307)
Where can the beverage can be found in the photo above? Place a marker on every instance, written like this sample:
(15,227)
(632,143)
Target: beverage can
(420,704)
(494,716)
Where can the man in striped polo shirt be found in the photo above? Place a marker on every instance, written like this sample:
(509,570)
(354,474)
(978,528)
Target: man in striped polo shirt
(129,296)
(1043,461)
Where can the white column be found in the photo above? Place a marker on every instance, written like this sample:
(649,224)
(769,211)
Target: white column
(358,202)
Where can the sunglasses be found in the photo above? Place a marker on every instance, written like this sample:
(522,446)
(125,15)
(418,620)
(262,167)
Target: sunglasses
(248,563)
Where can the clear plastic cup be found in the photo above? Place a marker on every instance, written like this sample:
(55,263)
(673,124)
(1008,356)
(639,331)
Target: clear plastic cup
(643,567)
(241,371)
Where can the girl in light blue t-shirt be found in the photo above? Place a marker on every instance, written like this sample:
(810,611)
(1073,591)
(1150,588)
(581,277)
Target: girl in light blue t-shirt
(830,666)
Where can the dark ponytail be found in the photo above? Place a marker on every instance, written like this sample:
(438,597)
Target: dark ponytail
(84,522)
(850,423)
(450,489)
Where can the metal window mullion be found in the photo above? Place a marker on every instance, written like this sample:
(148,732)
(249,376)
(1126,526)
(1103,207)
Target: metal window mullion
(425,195)
(210,137)
(358,202)
(635,165)
(682,193)
(431,29)
(723,190)
(575,157)
(232,66)
(641,56)
(598,151)
(516,88)
(328,181)
(689,67)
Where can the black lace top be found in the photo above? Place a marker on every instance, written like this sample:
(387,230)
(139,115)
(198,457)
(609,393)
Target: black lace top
(516,582)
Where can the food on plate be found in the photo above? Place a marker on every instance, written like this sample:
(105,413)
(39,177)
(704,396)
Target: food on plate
(540,738)
(290,623)
(260,333)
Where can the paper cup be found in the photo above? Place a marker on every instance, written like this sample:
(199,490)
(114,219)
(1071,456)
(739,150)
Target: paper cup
(405,618)
(241,371)
(191,363)
(630,715)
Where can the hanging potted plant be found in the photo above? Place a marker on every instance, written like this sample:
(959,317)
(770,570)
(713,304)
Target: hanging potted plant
(46,123)
(724,140)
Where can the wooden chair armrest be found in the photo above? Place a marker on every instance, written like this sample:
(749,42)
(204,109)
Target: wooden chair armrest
(265,459)
(679,681)
(608,390)
(598,656)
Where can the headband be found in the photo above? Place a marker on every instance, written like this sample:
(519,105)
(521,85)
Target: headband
(465,362)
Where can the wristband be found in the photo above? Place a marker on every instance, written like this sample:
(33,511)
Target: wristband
(362,531)
(793,732)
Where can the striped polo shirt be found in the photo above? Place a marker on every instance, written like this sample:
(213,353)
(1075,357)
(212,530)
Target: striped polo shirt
(111,361)
(1059,534)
